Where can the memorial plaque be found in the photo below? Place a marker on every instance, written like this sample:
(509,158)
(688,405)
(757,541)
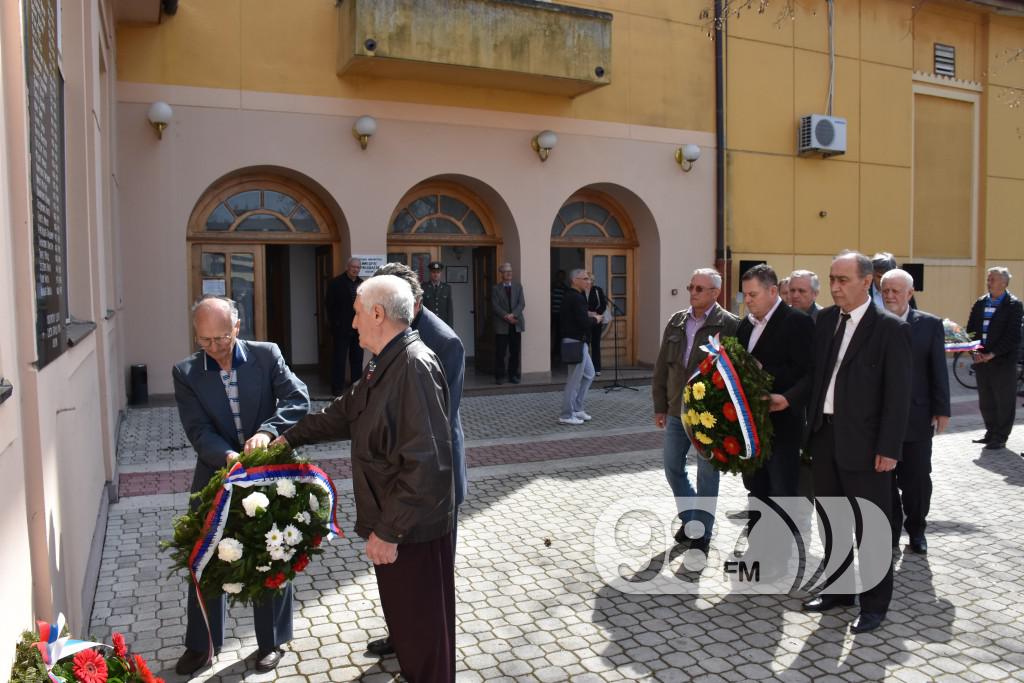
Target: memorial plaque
(46,149)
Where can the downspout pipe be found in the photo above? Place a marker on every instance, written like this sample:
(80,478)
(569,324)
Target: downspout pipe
(722,257)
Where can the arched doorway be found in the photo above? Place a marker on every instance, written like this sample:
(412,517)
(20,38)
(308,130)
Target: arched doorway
(593,231)
(444,221)
(267,241)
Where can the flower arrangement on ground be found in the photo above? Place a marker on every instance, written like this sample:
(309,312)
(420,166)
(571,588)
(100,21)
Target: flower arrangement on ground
(957,339)
(255,525)
(725,408)
(53,655)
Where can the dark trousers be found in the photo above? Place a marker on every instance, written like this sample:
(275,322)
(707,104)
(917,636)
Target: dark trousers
(347,352)
(874,487)
(595,346)
(780,476)
(507,345)
(272,621)
(997,397)
(914,482)
(417,594)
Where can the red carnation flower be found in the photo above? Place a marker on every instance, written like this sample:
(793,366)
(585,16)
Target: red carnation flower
(717,380)
(705,365)
(731,445)
(90,667)
(275,581)
(719,455)
(120,649)
(315,542)
(300,563)
(729,412)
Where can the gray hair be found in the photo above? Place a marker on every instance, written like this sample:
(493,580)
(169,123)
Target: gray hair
(763,273)
(883,262)
(205,301)
(576,273)
(391,293)
(404,272)
(354,259)
(1000,270)
(813,277)
(716,277)
(784,282)
(864,266)
(899,274)
(504,266)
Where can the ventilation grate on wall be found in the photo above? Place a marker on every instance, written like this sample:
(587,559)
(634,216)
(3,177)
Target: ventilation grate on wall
(945,60)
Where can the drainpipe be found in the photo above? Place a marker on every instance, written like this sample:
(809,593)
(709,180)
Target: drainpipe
(723,258)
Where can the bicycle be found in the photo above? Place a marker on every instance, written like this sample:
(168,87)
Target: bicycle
(963,371)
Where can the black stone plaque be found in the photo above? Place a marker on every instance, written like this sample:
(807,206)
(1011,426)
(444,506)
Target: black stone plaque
(46,149)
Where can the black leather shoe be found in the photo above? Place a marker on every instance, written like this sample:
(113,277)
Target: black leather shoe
(919,545)
(995,446)
(823,603)
(981,440)
(680,536)
(381,647)
(867,621)
(268,661)
(190,662)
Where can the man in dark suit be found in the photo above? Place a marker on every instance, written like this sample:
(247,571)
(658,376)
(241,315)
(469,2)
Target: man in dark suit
(858,397)
(234,395)
(442,340)
(803,292)
(779,337)
(995,320)
(507,303)
(929,409)
(341,296)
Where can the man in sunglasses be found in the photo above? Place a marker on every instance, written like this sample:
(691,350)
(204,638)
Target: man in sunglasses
(233,396)
(680,355)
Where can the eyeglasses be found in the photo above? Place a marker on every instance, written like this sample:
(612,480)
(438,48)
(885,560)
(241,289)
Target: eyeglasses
(207,342)
(698,289)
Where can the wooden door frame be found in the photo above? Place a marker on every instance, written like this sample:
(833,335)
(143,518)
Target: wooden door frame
(631,297)
(259,277)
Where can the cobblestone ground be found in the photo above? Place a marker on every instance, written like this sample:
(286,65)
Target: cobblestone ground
(529,611)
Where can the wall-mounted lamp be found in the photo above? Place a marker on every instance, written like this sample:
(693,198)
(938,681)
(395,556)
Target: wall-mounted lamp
(159,116)
(543,142)
(686,156)
(363,129)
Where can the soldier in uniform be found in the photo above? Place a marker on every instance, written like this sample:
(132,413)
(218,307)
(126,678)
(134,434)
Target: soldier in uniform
(437,295)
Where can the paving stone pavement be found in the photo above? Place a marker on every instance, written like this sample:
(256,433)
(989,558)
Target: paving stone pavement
(528,611)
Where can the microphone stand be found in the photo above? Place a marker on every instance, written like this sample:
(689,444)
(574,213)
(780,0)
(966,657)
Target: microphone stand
(616,311)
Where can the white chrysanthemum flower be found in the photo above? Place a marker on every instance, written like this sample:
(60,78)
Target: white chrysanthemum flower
(282,554)
(292,536)
(303,517)
(229,550)
(286,488)
(264,568)
(233,588)
(274,538)
(255,504)
(314,504)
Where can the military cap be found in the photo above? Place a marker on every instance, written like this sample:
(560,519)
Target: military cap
(436,265)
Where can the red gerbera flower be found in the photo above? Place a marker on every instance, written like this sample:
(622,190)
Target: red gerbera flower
(705,365)
(142,669)
(729,412)
(719,455)
(120,649)
(300,563)
(717,380)
(315,542)
(731,445)
(90,667)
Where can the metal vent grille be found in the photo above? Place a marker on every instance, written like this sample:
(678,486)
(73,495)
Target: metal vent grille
(945,60)
(805,132)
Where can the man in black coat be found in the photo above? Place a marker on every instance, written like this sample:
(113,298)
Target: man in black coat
(779,337)
(929,409)
(995,320)
(857,396)
(341,296)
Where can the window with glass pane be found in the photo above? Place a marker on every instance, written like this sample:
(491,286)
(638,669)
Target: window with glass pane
(276,201)
(618,284)
(424,206)
(618,265)
(557,226)
(262,222)
(213,264)
(243,291)
(451,206)
(440,225)
(245,201)
(397,257)
(571,212)
(403,222)
(584,230)
(472,225)
(613,228)
(596,213)
(420,261)
(304,221)
(599,266)
(220,220)
(620,302)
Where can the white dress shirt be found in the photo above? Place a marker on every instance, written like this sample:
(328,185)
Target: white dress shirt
(856,315)
(759,325)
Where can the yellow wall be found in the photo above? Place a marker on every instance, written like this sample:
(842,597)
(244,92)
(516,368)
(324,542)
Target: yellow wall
(662,61)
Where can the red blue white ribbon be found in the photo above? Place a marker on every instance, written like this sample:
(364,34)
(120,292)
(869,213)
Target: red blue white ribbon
(217,517)
(952,347)
(53,647)
(731,378)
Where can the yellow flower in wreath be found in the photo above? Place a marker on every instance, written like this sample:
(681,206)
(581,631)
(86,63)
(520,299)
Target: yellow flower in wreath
(707,419)
(686,394)
(698,390)
(704,438)
(691,417)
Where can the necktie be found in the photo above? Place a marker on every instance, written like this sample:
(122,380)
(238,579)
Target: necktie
(830,365)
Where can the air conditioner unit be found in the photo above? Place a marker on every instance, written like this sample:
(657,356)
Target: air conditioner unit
(819,134)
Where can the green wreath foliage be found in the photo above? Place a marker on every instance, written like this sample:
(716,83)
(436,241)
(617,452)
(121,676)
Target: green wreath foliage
(713,415)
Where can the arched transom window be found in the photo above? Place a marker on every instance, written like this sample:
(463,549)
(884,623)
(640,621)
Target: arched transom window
(261,211)
(437,213)
(586,220)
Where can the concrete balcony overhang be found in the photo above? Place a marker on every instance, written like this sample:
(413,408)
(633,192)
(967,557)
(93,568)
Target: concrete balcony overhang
(523,45)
